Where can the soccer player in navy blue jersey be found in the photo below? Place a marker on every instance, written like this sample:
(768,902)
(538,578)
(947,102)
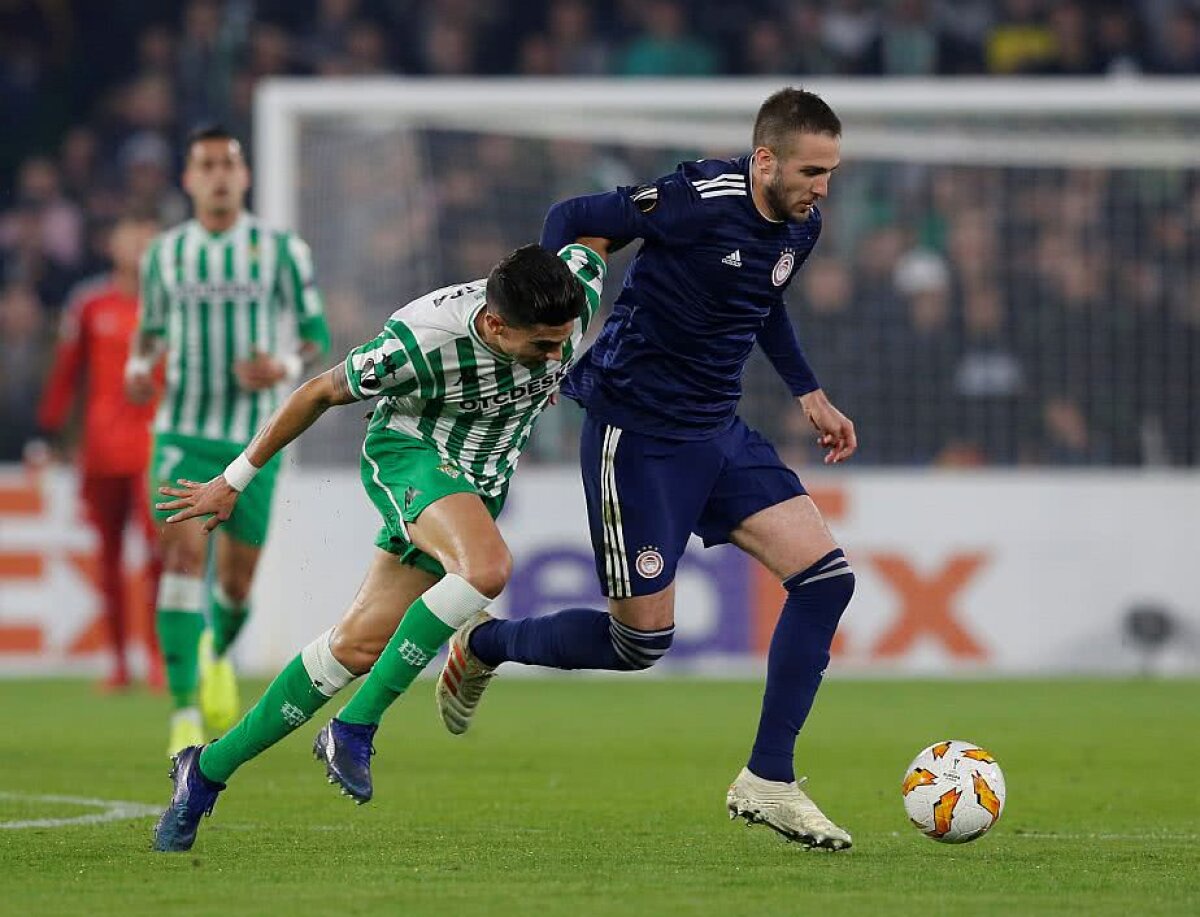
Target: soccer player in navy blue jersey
(664,453)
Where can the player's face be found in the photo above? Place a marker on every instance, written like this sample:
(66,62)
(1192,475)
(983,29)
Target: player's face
(531,346)
(216,177)
(796,177)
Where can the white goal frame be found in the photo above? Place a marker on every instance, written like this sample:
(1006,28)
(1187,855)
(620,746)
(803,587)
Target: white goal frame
(683,112)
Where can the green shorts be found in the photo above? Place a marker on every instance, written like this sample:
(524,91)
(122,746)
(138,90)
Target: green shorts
(403,476)
(199,459)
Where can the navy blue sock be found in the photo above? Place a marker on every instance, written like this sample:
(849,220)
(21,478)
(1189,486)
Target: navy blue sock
(577,638)
(797,659)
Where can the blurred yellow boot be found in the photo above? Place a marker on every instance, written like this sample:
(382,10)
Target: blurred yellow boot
(218,688)
(185,730)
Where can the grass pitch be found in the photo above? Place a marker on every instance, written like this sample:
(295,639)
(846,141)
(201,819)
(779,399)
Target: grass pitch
(579,797)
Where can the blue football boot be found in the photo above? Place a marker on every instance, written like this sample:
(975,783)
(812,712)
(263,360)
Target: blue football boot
(346,749)
(194,796)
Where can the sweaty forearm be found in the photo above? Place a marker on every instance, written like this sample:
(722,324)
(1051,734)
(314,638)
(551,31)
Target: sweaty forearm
(299,412)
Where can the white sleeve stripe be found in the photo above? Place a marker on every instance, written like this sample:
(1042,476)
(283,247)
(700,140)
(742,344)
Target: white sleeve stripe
(712,186)
(722,178)
(724,192)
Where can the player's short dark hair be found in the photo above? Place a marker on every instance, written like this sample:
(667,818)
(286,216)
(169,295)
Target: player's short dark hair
(533,286)
(208,132)
(793,111)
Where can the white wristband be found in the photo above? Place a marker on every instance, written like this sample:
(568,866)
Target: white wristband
(293,366)
(240,473)
(138,365)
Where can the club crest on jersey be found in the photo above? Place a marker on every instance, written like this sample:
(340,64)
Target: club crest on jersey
(450,471)
(783,267)
(649,563)
(644,197)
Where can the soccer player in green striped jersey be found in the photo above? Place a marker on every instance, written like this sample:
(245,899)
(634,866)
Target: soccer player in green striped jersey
(462,375)
(232,306)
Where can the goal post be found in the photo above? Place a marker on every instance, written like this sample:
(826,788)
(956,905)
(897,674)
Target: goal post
(1053,218)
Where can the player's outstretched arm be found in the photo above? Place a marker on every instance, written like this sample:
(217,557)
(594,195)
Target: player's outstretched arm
(216,498)
(835,429)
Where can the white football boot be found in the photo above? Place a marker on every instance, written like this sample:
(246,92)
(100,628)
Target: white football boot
(463,680)
(785,808)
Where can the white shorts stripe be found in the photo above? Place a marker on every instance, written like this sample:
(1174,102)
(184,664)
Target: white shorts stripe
(615,563)
(391,497)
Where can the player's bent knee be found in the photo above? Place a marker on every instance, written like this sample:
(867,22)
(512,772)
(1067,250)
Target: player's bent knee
(488,573)
(831,577)
(637,650)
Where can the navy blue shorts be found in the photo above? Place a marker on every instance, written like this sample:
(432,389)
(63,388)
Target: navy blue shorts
(647,495)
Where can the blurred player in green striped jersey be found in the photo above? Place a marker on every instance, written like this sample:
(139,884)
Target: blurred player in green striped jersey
(462,375)
(232,306)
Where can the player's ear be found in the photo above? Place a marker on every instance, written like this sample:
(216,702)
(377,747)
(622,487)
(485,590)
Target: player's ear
(495,324)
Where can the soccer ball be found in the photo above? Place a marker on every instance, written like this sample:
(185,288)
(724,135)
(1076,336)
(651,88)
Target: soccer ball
(953,791)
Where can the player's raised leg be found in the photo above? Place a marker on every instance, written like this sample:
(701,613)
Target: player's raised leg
(644,495)
(316,674)
(459,533)
(791,540)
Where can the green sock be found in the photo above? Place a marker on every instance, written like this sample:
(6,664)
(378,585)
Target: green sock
(179,636)
(299,691)
(415,642)
(180,621)
(228,619)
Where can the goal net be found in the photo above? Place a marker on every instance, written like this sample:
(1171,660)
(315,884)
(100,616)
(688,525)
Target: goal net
(1009,271)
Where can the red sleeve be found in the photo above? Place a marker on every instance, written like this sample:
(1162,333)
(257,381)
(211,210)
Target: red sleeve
(59,391)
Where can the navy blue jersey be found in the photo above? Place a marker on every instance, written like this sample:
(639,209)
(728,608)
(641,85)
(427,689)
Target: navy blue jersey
(706,285)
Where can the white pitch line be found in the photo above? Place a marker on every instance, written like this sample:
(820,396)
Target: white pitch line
(1051,836)
(114,810)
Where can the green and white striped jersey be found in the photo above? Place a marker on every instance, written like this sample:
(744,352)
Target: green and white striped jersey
(217,299)
(443,385)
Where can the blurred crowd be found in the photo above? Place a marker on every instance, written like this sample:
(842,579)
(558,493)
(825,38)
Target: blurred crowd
(966,316)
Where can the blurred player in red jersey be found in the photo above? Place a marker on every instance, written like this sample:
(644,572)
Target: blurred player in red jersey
(97,328)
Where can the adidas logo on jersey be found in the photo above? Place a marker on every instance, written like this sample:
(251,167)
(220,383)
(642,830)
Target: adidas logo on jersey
(734,258)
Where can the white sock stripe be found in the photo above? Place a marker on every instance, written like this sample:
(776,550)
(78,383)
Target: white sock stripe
(177,592)
(642,655)
(453,600)
(840,559)
(630,660)
(328,675)
(633,646)
(626,629)
(840,572)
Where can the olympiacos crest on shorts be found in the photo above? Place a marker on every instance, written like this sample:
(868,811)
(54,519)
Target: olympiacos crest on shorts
(649,563)
(783,267)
